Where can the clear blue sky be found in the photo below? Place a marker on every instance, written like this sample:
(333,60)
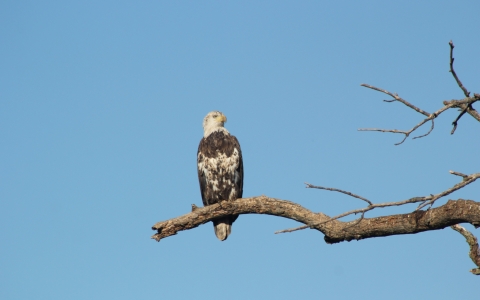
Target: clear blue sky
(101,106)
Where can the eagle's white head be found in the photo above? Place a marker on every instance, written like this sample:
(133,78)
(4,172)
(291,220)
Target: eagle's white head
(214,121)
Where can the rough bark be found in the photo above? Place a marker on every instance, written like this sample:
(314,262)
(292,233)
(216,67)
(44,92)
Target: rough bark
(335,231)
(474,249)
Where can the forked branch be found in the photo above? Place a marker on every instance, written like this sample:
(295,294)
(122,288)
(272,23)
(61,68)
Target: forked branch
(424,201)
(465,106)
(474,252)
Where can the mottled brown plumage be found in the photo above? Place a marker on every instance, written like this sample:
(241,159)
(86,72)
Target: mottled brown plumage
(220,169)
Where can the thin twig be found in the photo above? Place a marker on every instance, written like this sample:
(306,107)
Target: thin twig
(311,186)
(407,133)
(454,123)
(388,130)
(464,89)
(356,221)
(296,228)
(397,98)
(466,181)
(459,174)
(431,129)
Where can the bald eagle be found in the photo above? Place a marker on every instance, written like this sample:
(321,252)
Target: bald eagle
(220,168)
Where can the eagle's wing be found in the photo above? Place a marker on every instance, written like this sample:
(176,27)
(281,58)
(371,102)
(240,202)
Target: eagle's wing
(202,179)
(238,177)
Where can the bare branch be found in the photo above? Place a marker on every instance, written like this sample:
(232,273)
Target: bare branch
(427,200)
(431,128)
(406,133)
(466,180)
(465,106)
(356,221)
(388,130)
(336,190)
(464,89)
(454,123)
(361,210)
(467,103)
(453,212)
(334,230)
(459,174)
(397,98)
(474,249)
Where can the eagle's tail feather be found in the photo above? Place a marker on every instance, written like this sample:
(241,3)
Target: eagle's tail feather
(223,228)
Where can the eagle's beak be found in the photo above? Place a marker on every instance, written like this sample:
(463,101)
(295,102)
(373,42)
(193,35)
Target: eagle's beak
(222,118)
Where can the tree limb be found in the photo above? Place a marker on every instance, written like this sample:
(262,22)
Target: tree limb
(427,200)
(453,212)
(335,231)
(472,242)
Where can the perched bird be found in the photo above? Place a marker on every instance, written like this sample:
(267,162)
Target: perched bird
(220,168)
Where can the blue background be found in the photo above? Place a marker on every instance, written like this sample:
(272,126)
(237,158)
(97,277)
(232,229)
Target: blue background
(101,106)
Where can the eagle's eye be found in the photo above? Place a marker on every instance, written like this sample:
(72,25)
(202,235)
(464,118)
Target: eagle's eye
(215,116)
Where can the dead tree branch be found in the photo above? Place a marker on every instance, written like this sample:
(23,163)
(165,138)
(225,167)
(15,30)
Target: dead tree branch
(426,200)
(465,106)
(334,230)
(465,103)
(464,89)
(466,180)
(474,249)
(453,212)
(311,186)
